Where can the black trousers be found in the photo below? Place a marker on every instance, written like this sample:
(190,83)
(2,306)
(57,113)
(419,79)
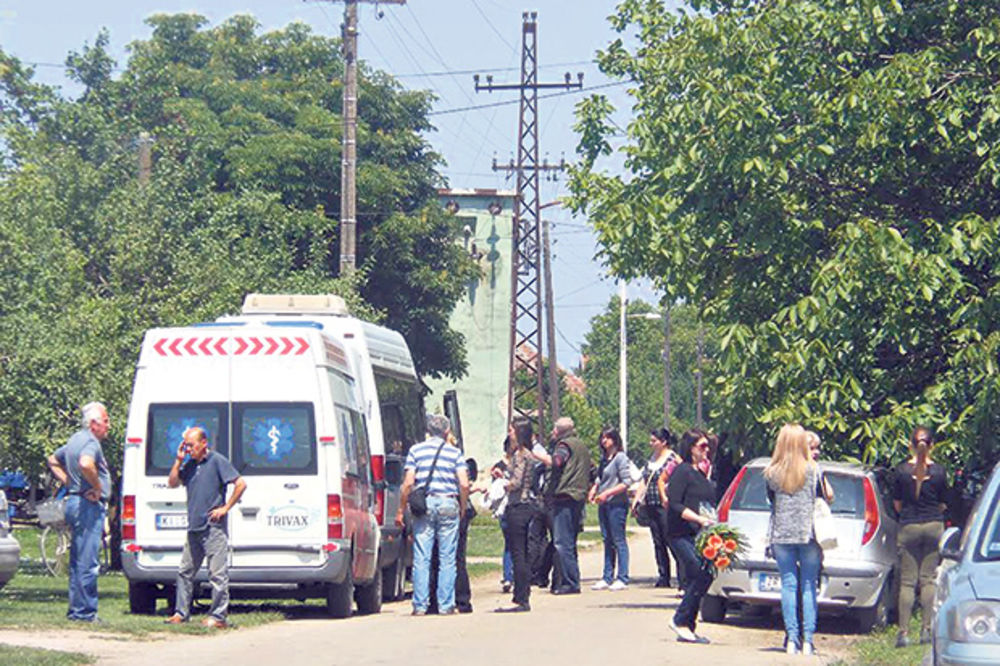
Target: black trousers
(661,546)
(519,517)
(541,550)
(463,591)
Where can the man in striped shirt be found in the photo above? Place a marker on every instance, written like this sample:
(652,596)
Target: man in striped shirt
(440,469)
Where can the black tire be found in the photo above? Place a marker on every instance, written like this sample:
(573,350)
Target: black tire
(142,598)
(369,597)
(393,579)
(876,617)
(340,596)
(713,608)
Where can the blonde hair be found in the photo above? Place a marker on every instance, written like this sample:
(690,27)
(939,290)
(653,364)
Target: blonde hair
(791,459)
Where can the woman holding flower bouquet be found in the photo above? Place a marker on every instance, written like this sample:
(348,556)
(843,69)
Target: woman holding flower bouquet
(793,483)
(691,501)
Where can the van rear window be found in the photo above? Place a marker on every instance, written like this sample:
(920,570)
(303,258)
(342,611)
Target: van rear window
(274,438)
(166,426)
(848,493)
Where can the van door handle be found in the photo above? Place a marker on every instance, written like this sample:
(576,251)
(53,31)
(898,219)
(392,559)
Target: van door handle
(249,511)
(291,486)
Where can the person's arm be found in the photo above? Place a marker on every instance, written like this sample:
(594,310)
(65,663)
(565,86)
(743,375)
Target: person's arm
(404,494)
(661,485)
(463,489)
(640,493)
(219,512)
(57,469)
(174,479)
(88,469)
(561,455)
(539,453)
(621,466)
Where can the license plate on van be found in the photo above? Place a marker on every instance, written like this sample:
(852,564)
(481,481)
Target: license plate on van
(768,582)
(171,521)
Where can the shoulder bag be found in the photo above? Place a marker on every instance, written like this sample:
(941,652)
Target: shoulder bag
(823,527)
(418,496)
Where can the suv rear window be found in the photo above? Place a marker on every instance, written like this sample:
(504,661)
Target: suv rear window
(848,493)
(167,423)
(274,438)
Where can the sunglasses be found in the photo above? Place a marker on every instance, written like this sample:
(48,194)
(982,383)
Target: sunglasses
(703,446)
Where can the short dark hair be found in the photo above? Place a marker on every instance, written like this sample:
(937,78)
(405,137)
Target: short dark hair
(473,468)
(523,433)
(688,440)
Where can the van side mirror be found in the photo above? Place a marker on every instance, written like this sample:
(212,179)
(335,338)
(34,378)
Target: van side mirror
(948,544)
(393,470)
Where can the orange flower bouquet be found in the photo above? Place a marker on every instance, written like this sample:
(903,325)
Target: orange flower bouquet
(721,545)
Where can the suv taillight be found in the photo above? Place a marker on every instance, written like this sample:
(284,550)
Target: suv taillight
(727,499)
(871,512)
(128,518)
(334,518)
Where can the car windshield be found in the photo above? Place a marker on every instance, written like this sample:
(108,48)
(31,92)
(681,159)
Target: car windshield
(989,546)
(848,493)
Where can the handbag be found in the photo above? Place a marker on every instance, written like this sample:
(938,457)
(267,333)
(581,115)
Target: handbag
(52,512)
(823,527)
(418,496)
(641,514)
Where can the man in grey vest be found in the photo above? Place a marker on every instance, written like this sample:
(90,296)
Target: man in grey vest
(571,470)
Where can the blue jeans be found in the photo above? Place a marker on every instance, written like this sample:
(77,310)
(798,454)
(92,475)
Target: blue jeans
(439,524)
(86,521)
(697,580)
(612,516)
(565,528)
(797,560)
(508,562)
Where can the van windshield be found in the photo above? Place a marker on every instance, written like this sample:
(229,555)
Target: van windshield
(166,426)
(274,438)
(848,493)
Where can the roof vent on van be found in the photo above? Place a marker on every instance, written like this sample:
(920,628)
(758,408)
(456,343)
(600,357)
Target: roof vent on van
(317,304)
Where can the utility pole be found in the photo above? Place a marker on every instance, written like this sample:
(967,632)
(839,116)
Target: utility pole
(145,144)
(550,323)
(666,365)
(701,346)
(349,148)
(526,302)
(622,365)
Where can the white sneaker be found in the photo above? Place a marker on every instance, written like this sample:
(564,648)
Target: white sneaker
(684,634)
(808,649)
(599,585)
(791,648)
(617,586)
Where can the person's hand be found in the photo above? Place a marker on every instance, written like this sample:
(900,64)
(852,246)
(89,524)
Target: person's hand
(590,495)
(399,518)
(706,521)
(496,472)
(182,451)
(600,498)
(217,514)
(94,495)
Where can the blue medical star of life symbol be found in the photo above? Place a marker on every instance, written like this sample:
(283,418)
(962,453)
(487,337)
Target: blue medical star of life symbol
(273,439)
(176,430)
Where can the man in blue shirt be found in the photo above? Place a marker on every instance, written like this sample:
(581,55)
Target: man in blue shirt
(441,470)
(205,475)
(81,467)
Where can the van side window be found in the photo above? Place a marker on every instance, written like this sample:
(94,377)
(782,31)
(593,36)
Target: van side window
(403,394)
(165,431)
(363,450)
(355,455)
(274,438)
(392,429)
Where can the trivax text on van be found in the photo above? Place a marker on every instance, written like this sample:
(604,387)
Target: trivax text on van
(316,410)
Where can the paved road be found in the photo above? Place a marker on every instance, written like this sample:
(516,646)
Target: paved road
(592,628)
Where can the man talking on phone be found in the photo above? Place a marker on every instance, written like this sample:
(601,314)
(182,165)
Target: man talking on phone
(205,475)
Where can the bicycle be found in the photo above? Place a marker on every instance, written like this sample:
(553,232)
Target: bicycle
(56,537)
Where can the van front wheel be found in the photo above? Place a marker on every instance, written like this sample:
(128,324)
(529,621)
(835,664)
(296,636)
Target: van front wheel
(369,597)
(340,597)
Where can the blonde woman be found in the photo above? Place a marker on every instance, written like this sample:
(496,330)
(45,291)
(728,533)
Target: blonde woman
(793,482)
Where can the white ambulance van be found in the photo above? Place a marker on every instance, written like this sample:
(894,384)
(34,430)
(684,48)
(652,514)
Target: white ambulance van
(316,410)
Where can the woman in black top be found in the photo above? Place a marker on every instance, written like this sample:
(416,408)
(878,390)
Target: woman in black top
(687,494)
(919,497)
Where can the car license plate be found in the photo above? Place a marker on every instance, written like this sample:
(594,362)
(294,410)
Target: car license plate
(769,582)
(171,521)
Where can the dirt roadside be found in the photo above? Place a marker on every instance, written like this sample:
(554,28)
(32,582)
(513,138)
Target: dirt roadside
(590,628)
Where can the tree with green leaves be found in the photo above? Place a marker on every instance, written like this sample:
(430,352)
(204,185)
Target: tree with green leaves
(821,178)
(246,165)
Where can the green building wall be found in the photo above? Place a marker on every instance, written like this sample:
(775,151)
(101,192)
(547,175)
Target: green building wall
(483,317)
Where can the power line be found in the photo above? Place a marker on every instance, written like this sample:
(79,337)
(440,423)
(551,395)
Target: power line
(493,27)
(511,102)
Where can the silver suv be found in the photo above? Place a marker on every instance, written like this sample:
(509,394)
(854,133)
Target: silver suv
(857,575)
(967,601)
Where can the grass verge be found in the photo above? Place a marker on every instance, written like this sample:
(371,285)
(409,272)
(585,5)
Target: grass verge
(13,655)
(879,649)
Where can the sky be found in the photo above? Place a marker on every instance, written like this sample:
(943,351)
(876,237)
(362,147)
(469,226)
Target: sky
(434,45)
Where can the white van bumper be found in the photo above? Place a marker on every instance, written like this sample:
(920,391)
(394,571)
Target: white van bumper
(334,570)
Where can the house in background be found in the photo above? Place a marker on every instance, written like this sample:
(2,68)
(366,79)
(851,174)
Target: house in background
(486,218)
